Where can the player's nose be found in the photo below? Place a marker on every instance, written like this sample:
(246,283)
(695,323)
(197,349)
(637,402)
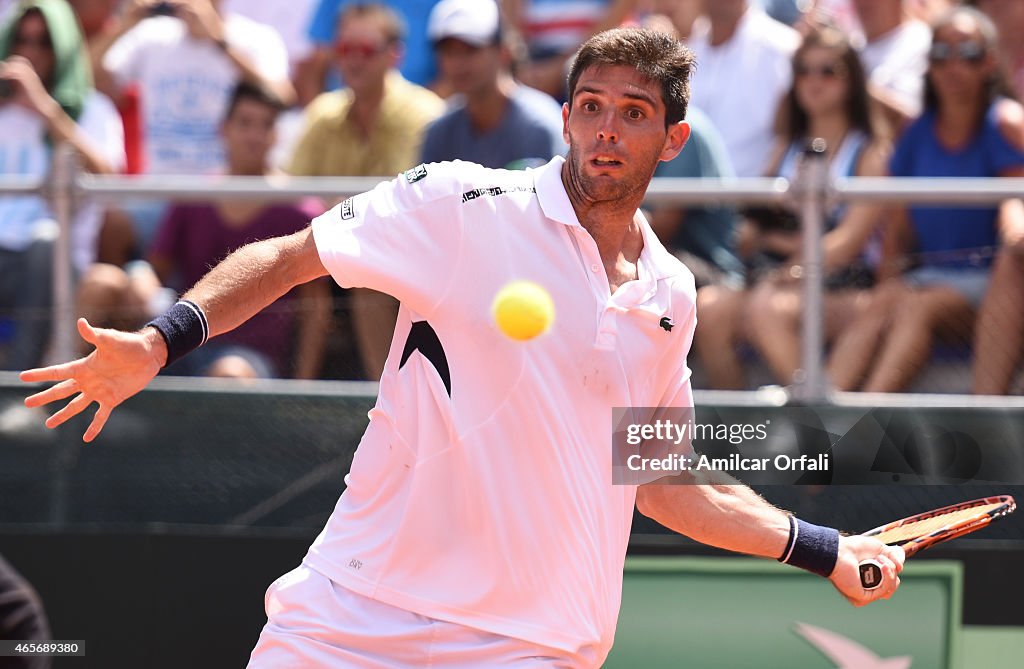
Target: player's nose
(607,129)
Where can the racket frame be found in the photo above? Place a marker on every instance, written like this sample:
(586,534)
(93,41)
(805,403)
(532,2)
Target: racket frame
(871,570)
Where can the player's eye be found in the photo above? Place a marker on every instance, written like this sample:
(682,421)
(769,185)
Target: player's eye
(589,106)
(635,114)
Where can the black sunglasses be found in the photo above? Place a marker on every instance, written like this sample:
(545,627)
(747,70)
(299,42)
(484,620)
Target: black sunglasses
(969,52)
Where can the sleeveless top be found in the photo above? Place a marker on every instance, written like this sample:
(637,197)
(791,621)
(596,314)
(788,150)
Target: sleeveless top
(954,237)
(843,164)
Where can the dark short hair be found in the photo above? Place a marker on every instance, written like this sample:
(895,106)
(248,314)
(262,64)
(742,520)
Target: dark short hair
(390,21)
(249,91)
(656,56)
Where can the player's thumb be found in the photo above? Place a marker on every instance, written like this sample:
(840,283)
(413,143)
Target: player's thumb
(88,332)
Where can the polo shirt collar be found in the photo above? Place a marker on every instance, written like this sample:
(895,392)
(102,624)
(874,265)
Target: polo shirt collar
(656,262)
(554,201)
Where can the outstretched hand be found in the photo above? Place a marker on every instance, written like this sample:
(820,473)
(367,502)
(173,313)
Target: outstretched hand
(846,576)
(121,365)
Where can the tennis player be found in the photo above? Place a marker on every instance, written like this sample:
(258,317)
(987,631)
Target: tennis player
(480,526)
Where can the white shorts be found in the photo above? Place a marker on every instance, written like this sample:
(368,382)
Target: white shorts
(314,622)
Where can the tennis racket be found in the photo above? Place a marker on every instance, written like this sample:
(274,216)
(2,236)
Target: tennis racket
(924,530)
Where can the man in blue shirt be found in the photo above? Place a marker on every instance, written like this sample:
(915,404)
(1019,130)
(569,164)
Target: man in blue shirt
(494,121)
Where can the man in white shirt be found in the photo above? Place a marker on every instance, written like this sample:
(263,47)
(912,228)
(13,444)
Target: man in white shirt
(895,56)
(186,63)
(481,525)
(184,57)
(743,69)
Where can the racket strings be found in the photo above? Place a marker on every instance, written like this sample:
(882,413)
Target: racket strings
(926,526)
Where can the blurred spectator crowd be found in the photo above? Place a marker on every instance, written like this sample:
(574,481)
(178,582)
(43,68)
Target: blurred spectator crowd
(906,88)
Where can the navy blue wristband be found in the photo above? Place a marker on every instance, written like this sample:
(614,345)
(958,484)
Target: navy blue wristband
(184,329)
(811,547)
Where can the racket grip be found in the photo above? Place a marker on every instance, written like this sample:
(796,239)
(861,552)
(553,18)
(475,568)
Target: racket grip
(870,574)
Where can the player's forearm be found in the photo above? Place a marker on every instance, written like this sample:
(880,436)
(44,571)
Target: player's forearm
(719,512)
(64,129)
(253,277)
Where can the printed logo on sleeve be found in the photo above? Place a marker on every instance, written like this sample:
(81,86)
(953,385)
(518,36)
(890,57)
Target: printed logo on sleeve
(348,210)
(416,173)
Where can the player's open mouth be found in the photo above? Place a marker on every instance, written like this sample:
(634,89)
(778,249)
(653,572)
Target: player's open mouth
(605,162)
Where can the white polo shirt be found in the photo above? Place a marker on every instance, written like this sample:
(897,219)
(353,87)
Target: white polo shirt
(481,491)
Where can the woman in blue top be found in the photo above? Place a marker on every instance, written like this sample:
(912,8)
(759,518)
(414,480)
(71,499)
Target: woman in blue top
(828,99)
(940,256)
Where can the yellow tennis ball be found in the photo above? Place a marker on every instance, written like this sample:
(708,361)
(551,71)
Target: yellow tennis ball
(522,310)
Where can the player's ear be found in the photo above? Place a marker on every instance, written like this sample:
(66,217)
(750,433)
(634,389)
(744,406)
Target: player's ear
(675,140)
(565,122)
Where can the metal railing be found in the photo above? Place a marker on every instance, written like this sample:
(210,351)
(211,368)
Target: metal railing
(812,192)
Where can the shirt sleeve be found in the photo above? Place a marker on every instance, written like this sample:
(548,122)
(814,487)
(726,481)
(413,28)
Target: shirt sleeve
(125,57)
(402,238)
(101,126)
(264,46)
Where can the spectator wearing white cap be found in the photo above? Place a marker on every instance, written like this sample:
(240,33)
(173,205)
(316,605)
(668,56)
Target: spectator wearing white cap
(493,120)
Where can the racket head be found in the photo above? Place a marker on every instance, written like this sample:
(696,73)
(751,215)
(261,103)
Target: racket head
(924,530)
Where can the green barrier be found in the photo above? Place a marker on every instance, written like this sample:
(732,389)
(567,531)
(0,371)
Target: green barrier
(723,613)
(992,646)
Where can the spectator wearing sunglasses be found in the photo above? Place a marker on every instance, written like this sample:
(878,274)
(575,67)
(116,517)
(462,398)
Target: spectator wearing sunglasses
(374,127)
(828,99)
(417,63)
(938,259)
